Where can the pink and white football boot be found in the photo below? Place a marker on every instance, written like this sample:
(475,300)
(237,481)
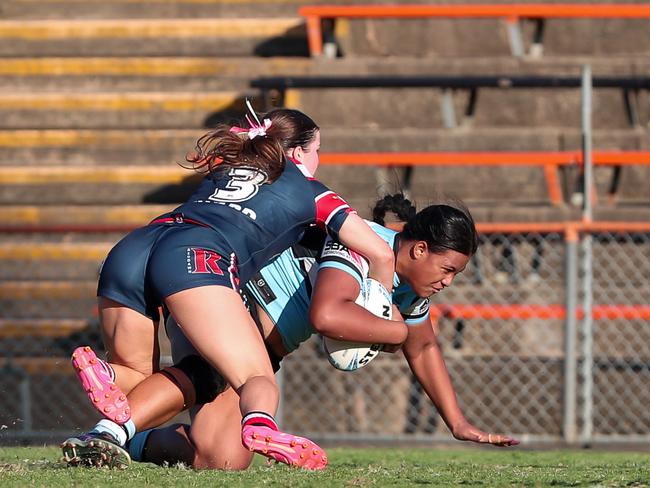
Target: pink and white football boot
(284,448)
(98,379)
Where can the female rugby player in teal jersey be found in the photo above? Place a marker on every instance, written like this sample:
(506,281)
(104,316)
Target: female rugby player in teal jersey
(434,246)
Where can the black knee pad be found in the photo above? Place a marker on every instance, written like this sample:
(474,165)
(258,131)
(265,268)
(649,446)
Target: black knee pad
(207,381)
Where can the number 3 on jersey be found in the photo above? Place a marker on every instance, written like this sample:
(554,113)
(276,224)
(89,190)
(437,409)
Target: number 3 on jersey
(244,183)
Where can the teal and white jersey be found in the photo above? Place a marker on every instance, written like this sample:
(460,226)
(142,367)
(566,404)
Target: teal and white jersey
(414,309)
(283,287)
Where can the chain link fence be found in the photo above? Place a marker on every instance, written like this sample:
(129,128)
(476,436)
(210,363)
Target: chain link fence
(519,363)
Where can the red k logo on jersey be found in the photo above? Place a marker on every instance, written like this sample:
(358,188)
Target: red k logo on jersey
(203,261)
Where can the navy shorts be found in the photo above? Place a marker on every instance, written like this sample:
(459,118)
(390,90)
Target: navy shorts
(158,260)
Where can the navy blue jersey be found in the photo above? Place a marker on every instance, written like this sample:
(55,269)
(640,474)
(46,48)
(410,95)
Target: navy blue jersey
(257,220)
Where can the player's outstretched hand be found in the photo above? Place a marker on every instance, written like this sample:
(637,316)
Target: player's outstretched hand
(467,432)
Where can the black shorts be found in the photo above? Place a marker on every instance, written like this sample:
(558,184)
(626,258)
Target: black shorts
(158,260)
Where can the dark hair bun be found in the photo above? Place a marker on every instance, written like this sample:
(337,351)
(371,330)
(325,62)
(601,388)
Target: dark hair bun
(397,204)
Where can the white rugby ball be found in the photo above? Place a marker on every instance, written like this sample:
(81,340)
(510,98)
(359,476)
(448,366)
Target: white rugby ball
(349,356)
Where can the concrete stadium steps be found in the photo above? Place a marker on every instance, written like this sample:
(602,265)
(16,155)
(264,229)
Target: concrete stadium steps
(388,107)
(362,108)
(176,73)
(112,222)
(86,217)
(117,185)
(114,74)
(634,186)
(480,184)
(108,147)
(493,188)
(153,37)
(521,187)
(56,147)
(37,82)
(26,260)
(488,37)
(48,299)
(115,110)
(502,211)
(121,185)
(129,9)
(20,328)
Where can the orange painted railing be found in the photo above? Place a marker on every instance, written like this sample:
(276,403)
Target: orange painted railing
(570,230)
(524,312)
(550,161)
(509,12)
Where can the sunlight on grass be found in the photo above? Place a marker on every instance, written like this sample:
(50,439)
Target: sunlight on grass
(353,467)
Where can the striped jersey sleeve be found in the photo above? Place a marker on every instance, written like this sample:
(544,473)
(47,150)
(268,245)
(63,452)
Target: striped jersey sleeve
(414,311)
(331,209)
(336,255)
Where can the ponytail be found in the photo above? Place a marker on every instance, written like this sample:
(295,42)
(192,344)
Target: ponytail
(227,146)
(397,204)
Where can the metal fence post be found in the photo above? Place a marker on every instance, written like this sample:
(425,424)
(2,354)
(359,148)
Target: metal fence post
(26,403)
(586,97)
(587,324)
(514,37)
(570,335)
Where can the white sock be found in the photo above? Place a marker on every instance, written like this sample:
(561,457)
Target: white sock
(110,427)
(259,418)
(129,426)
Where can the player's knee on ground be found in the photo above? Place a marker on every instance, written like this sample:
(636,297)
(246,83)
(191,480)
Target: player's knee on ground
(208,383)
(237,460)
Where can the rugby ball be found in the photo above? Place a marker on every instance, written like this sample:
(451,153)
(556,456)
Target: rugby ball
(349,356)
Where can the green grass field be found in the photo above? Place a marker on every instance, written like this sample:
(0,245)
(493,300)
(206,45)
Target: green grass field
(30,466)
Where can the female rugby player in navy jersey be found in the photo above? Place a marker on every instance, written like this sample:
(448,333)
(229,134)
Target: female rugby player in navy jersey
(253,204)
(435,246)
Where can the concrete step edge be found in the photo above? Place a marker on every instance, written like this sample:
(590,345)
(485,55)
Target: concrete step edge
(43,3)
(16,328)
(207,65)
(53,30)
(49,175)
(57,251)
(142,66)
(123,101)
(52,215)
(89,137)
(50,290)
(39,365)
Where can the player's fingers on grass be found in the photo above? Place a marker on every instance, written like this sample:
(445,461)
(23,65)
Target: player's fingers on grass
(502,440)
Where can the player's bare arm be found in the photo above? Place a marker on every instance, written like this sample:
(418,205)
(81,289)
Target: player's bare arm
(357,235)
(334,313)
(424,357)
